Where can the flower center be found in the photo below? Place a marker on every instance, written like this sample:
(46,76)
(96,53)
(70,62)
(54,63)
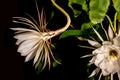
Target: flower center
(113,55)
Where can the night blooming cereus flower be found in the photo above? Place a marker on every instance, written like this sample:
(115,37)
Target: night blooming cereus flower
(106,56)
(34,42)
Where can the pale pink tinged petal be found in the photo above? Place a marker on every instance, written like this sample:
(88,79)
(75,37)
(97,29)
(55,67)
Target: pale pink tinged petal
(114,67)
(94,43)
(110,33)
(94,72)
(116,41)
(38,52)
(105,73)
(104,64)
(27,45)
(99,59)
(97,51)
(92,60)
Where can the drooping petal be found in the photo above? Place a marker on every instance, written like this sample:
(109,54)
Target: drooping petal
(38,52)
(27,45)
(30,56)
(110,33)
(88,55)
(94,72)
(94,43)
(25,53)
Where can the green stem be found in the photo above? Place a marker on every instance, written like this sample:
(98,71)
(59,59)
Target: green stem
(67,17)
(115,18)
(111,24)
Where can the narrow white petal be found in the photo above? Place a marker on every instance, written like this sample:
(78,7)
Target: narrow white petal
(110,33)
(26,36)
(88,55)
(30,56)
(19,41)
(41,56)
(94,72)
(27,45)
(47,57)
(111,77)
(38,52)
(94,43)
(24,30)
(99,36)
(25,53)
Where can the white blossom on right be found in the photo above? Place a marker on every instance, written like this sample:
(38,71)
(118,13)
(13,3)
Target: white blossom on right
(106,53)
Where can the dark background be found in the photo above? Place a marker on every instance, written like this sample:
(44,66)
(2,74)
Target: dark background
(12,66)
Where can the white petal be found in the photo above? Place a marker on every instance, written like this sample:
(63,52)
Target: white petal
(95,72)
(94,43)
(110,33)
(107,43)
(19,30)
(26,36)
(25,53)
(27,45)
(92,60)
(116,41)
(99,36)
(30,56)
(88,55)
(105,73)
(99,59)
(38,52)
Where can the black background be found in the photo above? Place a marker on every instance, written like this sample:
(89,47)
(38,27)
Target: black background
(12,66)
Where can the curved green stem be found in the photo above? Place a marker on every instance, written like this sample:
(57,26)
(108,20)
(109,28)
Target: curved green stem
(67,17)
(115,18)
(111,24)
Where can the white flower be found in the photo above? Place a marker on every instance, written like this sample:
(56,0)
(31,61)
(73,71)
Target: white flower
(106,56)
(34,42)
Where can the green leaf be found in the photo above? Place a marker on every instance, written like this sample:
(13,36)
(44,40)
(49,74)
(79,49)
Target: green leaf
(116,4)
(70,33)
(86,26)
(75,5)
(98,9)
